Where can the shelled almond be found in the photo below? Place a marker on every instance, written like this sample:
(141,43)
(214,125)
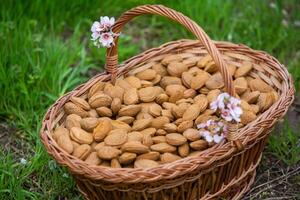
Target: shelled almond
(150,116)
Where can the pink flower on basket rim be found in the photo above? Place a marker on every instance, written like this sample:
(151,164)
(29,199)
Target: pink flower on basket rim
(103,25)
(106,39)
(213,130)
(228,106)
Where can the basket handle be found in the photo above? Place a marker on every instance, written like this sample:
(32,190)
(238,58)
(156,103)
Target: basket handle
(112,53)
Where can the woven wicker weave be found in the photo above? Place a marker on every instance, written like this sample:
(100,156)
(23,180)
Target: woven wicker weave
(224,170)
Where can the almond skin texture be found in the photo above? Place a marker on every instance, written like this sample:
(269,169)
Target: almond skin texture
(259,85)
(191,113)
(93,159)
(191,134)
(81,136)
(215,82)
(199,145)
(243,70)
(127,158)
(159,122)
(59,131)
(71,108)
(99,100)
(175,139)
(163,148)
(117,138)
(184,150)
(176,68)
(135,147)
(82,151)
(65,143)
(143,163)
(169,157)
(131,96)
(152,155)
(130,110)
(102,130)
(108,153)
(80,102)
(141,124)
(89,123)
(148,74)
(147,94)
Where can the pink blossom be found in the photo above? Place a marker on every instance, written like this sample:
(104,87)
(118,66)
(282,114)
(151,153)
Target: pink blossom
(218,138)
(225,114)
(207,136)
(106,39)
(202,125)
(106,22)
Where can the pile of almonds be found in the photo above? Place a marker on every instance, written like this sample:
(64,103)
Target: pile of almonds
(149,117)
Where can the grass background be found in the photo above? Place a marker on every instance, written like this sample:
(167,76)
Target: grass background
(45,51)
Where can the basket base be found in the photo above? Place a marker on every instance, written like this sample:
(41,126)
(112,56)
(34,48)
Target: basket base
(234,190)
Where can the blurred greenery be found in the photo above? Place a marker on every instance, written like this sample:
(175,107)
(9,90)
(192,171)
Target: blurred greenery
(46,51)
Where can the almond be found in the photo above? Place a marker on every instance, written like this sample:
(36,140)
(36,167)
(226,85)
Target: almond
(191,113)
(93,113)
(189,93)
(148,74)
(199,80)
(155,110)
(123,84)
(89,123)
(171,58)
(160,69)
(73,120)
(143,163)
(169,80)
(199,145)
(147,94)
(161,98)
(247,117)
(192,61)
(163,148)
(186,78)
(176,69)
(115,105)
(104,112)
(212,95)
(98,87)
(168,114)
(114,91)
(250,97)
(81,136)
(135,147)
(191,134)
(169,157)
(65,143)
(170,127)
(201,101)
(108,153)
(141,124)
(152,155)
(240,85)
(114,163)
(93,159)
(255,108)
(126,119)
(184,150)
(147,140)
(135,136)
(118,137)
(102,130)
(148,131)
(134,81)
(203,61)
(127,158)
(71,108)
(243,70)
(80,102)
(159,122)
(215,81)
(259,85)
(120,125)
(161,132)
(99,100)
(159,139)
(211,67)
(131,96)
(130,110)
(175,139)
(59,131)
(184,125)
(82,151)
(265,101)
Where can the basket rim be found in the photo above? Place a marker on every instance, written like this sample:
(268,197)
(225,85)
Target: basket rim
(203,160)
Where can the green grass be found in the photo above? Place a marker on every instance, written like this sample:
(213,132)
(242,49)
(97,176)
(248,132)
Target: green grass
(45,51)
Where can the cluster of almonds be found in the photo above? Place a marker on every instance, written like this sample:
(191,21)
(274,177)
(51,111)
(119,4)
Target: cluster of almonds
(151,115)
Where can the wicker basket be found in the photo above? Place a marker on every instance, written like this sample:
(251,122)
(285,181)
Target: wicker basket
(226,170)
